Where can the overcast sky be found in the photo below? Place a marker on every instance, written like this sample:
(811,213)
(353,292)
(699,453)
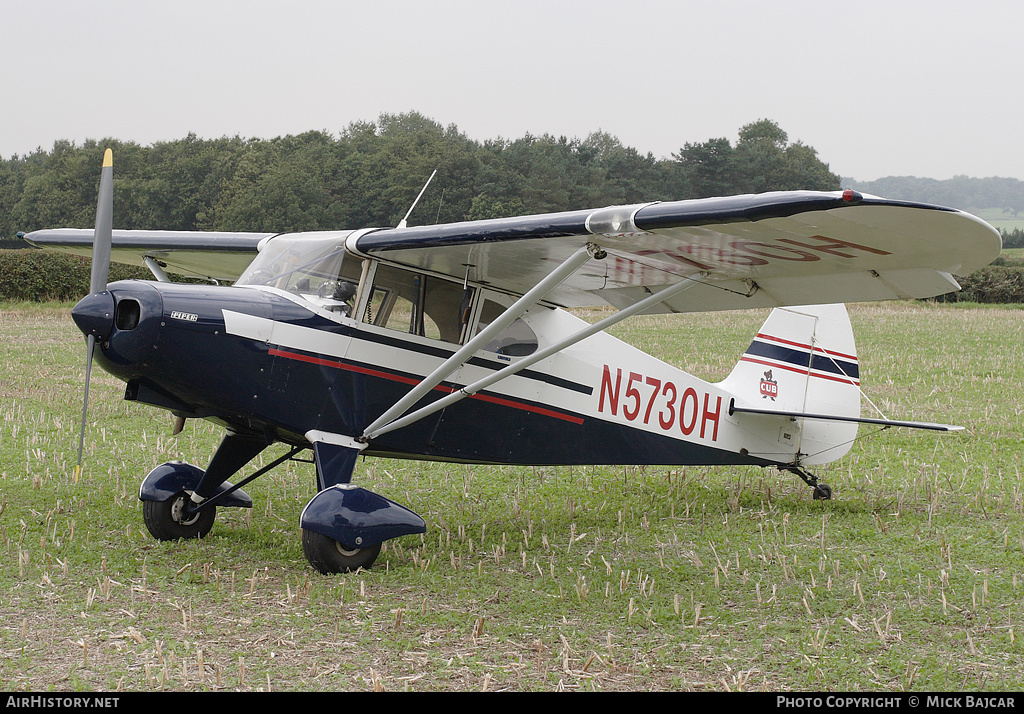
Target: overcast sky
(895,87)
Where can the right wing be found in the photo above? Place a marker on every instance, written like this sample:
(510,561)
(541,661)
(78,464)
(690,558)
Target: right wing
(752,251)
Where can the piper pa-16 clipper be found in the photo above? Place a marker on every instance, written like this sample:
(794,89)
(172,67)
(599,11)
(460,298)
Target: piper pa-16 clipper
(452,342)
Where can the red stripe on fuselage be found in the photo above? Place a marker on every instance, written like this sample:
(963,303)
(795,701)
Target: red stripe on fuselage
(411,381)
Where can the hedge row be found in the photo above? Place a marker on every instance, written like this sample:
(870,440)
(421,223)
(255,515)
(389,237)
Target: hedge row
(993,284)
(38,275)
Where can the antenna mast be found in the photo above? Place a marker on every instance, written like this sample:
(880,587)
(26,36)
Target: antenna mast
(403,223)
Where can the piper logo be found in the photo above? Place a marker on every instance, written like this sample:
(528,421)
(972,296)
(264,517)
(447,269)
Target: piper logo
(175,315)
(769,387)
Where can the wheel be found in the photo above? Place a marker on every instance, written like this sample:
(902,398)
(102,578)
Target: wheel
(163,519)
(822,492)
(329,556)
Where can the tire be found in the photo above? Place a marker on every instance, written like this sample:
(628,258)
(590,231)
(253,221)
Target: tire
(163,519)
(328,556)
(822,492)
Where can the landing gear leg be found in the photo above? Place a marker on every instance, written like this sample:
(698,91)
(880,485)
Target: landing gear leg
(343,526)
(234,452)
(822,491)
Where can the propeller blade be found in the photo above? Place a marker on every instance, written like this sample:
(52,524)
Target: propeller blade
(104,224)
(98,275)
(90,343)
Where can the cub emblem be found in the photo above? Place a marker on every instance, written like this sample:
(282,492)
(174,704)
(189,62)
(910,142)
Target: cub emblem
(769,387)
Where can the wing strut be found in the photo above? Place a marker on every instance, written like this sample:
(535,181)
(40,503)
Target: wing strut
(511,369)
(155,269)
(539,291)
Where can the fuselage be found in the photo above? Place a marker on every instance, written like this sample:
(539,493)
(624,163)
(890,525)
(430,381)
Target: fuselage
(266,360)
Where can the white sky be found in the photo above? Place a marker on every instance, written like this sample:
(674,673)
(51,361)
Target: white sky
(880,88)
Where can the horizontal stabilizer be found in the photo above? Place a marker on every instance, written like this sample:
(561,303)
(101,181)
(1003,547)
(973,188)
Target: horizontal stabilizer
(733,409)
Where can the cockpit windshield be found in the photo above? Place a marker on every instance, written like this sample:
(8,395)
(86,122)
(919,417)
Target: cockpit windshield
(298,264)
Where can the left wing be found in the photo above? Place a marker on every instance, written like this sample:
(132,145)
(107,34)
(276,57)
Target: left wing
(207,254)
(763,250)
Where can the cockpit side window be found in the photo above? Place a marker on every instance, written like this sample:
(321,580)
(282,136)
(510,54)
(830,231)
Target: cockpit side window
(418,304)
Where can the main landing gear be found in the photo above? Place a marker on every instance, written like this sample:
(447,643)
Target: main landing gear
(170,512)
(822,491)
(173,520)
(343,526)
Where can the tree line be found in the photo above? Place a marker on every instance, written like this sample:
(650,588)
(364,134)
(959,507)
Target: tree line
(963,192)
(369,174)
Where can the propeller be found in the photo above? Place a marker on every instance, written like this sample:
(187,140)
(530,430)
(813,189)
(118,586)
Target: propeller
(98,276)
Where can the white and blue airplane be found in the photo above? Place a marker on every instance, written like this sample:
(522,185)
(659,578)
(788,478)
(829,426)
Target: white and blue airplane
(453,342)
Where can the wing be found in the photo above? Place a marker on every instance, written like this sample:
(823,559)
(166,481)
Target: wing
(218,255)
(763,250)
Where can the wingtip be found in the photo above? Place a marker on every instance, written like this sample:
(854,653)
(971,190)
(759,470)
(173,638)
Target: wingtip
(108,158)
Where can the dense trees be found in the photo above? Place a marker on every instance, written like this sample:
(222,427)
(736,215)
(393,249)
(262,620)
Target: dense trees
(762,160)
(370,173)
(963,192)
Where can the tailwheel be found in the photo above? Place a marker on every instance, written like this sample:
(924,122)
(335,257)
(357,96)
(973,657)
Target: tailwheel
(329,556)
(822,491)
(171,520)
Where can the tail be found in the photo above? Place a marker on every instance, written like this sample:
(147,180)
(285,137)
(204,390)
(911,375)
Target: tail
(803,361)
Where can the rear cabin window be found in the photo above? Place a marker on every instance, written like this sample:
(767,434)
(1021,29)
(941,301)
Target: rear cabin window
(516,340)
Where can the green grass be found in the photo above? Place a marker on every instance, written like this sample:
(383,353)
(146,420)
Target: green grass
(624,578)
(1001,220)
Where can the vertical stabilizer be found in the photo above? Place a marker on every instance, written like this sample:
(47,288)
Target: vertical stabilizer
(803,359)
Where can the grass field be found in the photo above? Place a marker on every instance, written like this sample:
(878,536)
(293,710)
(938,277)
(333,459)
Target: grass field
(1004,221)
(911,578)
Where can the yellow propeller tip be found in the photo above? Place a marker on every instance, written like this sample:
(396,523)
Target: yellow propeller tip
(108,158)
(78,472)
